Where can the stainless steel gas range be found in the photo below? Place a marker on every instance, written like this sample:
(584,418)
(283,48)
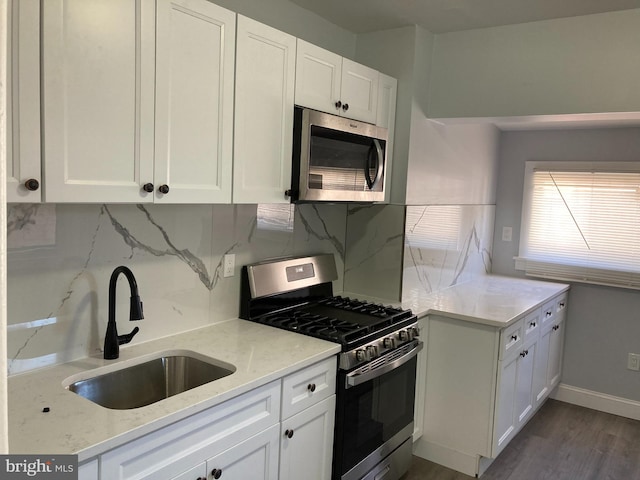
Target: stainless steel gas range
(376,368)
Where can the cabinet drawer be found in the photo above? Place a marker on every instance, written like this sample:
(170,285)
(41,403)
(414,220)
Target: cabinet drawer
(561,306)
(176,448)
(511,338)
(548,314)
(532,325)
(306,387)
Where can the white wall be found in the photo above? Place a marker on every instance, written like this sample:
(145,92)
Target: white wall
(603,323)
(571,65)
(4,436)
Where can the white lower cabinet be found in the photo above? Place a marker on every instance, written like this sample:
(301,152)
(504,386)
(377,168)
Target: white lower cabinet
(242,438)
(307,441)
(484,383)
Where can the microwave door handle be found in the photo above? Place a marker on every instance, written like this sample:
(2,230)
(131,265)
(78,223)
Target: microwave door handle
(379,163)
(367,166)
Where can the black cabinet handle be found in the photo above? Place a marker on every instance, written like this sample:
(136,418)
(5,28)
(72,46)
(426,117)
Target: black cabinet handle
(548,314)
(288,433)
(32,184)
(556,327)
(216,473)
(311,387)
(514,337)
(524,353)
(345,107)
(532,324)
(163,189)
(561,304)
(338,104)
(148,187)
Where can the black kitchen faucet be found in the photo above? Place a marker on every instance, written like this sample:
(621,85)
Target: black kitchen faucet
(112,340)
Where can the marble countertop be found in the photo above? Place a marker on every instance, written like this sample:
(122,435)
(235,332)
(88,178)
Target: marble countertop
(74,425)
(490,300)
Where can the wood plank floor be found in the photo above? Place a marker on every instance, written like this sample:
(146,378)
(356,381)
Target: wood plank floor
(561,442)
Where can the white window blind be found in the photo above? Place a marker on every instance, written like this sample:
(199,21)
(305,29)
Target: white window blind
(582,225)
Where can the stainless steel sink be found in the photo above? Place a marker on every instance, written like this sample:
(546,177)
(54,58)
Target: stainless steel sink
(141,384)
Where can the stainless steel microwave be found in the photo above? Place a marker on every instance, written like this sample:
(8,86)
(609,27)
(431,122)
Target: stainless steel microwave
(336,159)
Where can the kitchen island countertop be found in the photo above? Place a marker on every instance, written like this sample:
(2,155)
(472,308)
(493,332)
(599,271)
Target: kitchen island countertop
(492,300)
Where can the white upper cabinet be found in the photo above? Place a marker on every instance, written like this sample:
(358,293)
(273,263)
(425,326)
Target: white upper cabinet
(195,55)
(23,102)
(98,64)
(265,77)
(327,82)
(137,101)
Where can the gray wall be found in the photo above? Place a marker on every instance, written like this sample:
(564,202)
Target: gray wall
(569,65)
(603,323)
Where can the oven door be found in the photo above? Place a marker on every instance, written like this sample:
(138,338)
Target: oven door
(374,415)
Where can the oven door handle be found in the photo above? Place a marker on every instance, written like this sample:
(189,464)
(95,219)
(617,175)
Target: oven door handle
(354,379)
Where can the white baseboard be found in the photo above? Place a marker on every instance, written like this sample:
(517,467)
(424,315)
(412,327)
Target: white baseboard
(597,401)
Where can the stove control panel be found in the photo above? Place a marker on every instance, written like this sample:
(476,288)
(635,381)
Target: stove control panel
(372,350)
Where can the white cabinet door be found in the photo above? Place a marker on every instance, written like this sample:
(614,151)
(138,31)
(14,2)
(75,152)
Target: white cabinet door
(330,83)
(359,92)
(98,70)
(524,381)
(306,446)
(318,78)
(540,387)
(256,458)
(88,470)
(265,80)
(505,424)
(556,343)
(23,102)
(195,59)
(386,118)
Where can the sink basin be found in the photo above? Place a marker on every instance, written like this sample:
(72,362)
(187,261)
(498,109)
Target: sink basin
(139,384)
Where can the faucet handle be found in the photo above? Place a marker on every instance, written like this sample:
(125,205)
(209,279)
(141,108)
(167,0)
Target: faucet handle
(135,311)
(122,339)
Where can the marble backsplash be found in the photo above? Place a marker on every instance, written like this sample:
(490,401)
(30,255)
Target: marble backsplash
(445,245)
(60,258)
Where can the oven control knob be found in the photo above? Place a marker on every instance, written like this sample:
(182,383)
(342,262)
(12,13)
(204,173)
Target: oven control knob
(361,355)
(403,335)
(372,351)
(415,332)
(389,342)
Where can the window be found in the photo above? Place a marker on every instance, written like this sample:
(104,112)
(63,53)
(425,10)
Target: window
(581,222)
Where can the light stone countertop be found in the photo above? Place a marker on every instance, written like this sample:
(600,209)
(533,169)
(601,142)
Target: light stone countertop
(75,425)
(490,300)
(260,354)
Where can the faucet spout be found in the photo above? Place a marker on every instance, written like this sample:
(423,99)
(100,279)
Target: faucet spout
(112,340)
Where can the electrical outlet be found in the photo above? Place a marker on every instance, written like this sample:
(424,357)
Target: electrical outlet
(506,234)
(229,265)
(633,362)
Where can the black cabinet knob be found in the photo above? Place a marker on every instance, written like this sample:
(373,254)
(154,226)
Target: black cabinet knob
(514,337)
(32,184)
(163,189)
(311,387)
(532,324)
(288,193)
(148,187)
(338,104)
(345,107)
(216,473)
(288,433)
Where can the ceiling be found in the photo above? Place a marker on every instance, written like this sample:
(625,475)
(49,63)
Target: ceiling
(440,16)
